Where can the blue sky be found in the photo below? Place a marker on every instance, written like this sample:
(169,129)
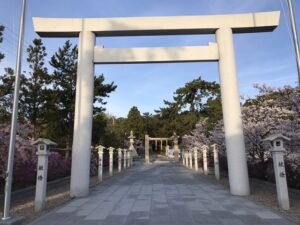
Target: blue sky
(261,57)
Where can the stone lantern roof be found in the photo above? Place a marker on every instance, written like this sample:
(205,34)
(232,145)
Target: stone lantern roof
(274,137)
(44,141)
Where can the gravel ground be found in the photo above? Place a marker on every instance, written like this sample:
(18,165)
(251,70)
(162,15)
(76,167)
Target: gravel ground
(265,193)
(262,192)
(55,198)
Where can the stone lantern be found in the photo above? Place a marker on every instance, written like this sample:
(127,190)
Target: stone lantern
(131,146)
(176,147)
(277,149)
(43,152)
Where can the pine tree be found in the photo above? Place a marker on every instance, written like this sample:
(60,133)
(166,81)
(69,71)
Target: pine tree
(135,122)
(62,99)
(6,93)
(34,88)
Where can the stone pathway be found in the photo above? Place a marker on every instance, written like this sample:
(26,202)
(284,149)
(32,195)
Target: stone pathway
(163,193)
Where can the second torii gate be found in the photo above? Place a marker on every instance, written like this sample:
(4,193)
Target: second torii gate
(147,145)
(223,26)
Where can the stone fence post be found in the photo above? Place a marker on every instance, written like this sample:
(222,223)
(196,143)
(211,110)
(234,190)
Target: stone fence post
(119,159)
(196,158)
(125,158)
(111,160)
(100,162)
(186,157)
(205,166)
(167,151)
(191,159)
(216,161)
(128,158)
(131,157)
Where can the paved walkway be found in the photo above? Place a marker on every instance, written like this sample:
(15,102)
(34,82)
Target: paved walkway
(161,194)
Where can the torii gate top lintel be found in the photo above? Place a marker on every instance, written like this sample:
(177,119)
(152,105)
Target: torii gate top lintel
(134,26)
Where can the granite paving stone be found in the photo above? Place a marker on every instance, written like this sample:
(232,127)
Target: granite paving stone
(161,193)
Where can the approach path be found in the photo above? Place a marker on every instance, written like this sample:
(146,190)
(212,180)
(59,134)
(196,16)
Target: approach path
(163,193)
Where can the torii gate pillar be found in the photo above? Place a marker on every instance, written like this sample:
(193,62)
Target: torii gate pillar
(234,137)
(83,116)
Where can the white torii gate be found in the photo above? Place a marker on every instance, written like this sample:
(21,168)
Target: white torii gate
(223,51)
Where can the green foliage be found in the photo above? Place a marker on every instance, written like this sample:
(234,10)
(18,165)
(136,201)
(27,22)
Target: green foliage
(102,91)
(195,93)
(198,98)
(109,131)
(34,89)
(212,110)
(151,124)
(100,121)
(6,93)
(47,101)
(135,122)
(61,99)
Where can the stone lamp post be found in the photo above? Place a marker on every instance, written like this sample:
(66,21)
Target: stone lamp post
(176,147)
(111,161)
(42,170)
(100,149)
(216,161)
(131,146)
(278,151)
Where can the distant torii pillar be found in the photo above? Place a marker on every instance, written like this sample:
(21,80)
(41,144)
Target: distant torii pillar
(223,26)
(147,153)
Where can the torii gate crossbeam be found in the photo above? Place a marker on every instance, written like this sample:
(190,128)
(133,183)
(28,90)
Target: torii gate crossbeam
(167,25)
(223,26)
